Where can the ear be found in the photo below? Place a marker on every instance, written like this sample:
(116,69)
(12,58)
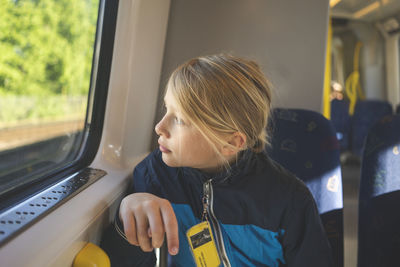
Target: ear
(236,141)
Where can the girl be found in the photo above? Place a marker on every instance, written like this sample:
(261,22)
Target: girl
(211,167)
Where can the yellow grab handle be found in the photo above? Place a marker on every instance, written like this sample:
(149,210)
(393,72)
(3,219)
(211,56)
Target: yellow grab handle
(326,102)
(91,256)
(353,86)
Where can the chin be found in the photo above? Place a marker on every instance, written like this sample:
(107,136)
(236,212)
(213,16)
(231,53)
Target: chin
(169,162)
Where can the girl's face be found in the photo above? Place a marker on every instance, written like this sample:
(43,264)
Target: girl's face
(181,144)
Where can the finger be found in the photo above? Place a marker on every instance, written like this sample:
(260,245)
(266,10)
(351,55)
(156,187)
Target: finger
(142,226)
(129,228)
(156,230)
(171,227)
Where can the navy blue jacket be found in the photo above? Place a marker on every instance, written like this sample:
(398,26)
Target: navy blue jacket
(267,216)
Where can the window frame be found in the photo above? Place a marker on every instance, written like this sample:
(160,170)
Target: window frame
(95,112)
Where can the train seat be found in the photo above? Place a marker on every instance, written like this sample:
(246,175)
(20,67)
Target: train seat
(341,121)
(305,143)
(366,114)
(398,109)
(379,219)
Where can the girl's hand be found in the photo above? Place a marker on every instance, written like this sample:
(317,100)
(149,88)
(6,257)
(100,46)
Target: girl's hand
(146,218)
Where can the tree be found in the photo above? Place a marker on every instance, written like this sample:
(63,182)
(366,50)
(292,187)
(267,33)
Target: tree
(46,46)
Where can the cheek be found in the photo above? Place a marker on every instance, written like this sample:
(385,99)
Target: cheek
(189,142)
(191,145)
(199,146)
(185,142)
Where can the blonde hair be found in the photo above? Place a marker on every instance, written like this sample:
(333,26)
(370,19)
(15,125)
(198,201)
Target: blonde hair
(223,94)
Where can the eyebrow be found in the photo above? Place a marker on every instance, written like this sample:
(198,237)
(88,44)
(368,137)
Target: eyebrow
(165,103)
(173,109)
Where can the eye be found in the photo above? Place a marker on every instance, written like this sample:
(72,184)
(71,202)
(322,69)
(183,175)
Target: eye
(178,121)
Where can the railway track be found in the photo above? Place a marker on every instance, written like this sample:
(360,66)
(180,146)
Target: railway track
(29,134)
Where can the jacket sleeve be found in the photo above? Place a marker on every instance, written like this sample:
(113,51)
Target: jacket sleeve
(119,250)
(304,241)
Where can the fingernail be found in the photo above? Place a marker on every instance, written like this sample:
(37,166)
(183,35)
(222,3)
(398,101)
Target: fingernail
(174,250)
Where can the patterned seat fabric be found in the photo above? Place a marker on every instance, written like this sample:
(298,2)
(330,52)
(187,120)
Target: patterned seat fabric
(305,143)
(341,121)
(366,114)
(379,216)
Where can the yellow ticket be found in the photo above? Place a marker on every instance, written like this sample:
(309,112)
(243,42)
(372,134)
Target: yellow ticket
(202,245)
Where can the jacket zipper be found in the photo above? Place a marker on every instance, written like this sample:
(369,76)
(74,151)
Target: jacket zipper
(208,207)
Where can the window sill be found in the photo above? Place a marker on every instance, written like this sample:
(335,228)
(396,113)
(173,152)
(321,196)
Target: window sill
(57,238)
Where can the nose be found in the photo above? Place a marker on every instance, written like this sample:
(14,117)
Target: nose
(161,129)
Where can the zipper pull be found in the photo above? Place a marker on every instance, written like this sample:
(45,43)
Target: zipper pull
(206,199)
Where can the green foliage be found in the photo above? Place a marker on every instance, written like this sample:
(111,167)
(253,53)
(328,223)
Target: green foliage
(46,46)
(21,110)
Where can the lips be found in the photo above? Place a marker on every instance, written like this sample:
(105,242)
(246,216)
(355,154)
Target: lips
(164,149)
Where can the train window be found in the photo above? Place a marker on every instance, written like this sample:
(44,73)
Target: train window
(48,70)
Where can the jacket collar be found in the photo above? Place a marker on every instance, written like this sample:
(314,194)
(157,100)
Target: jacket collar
(241,167)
